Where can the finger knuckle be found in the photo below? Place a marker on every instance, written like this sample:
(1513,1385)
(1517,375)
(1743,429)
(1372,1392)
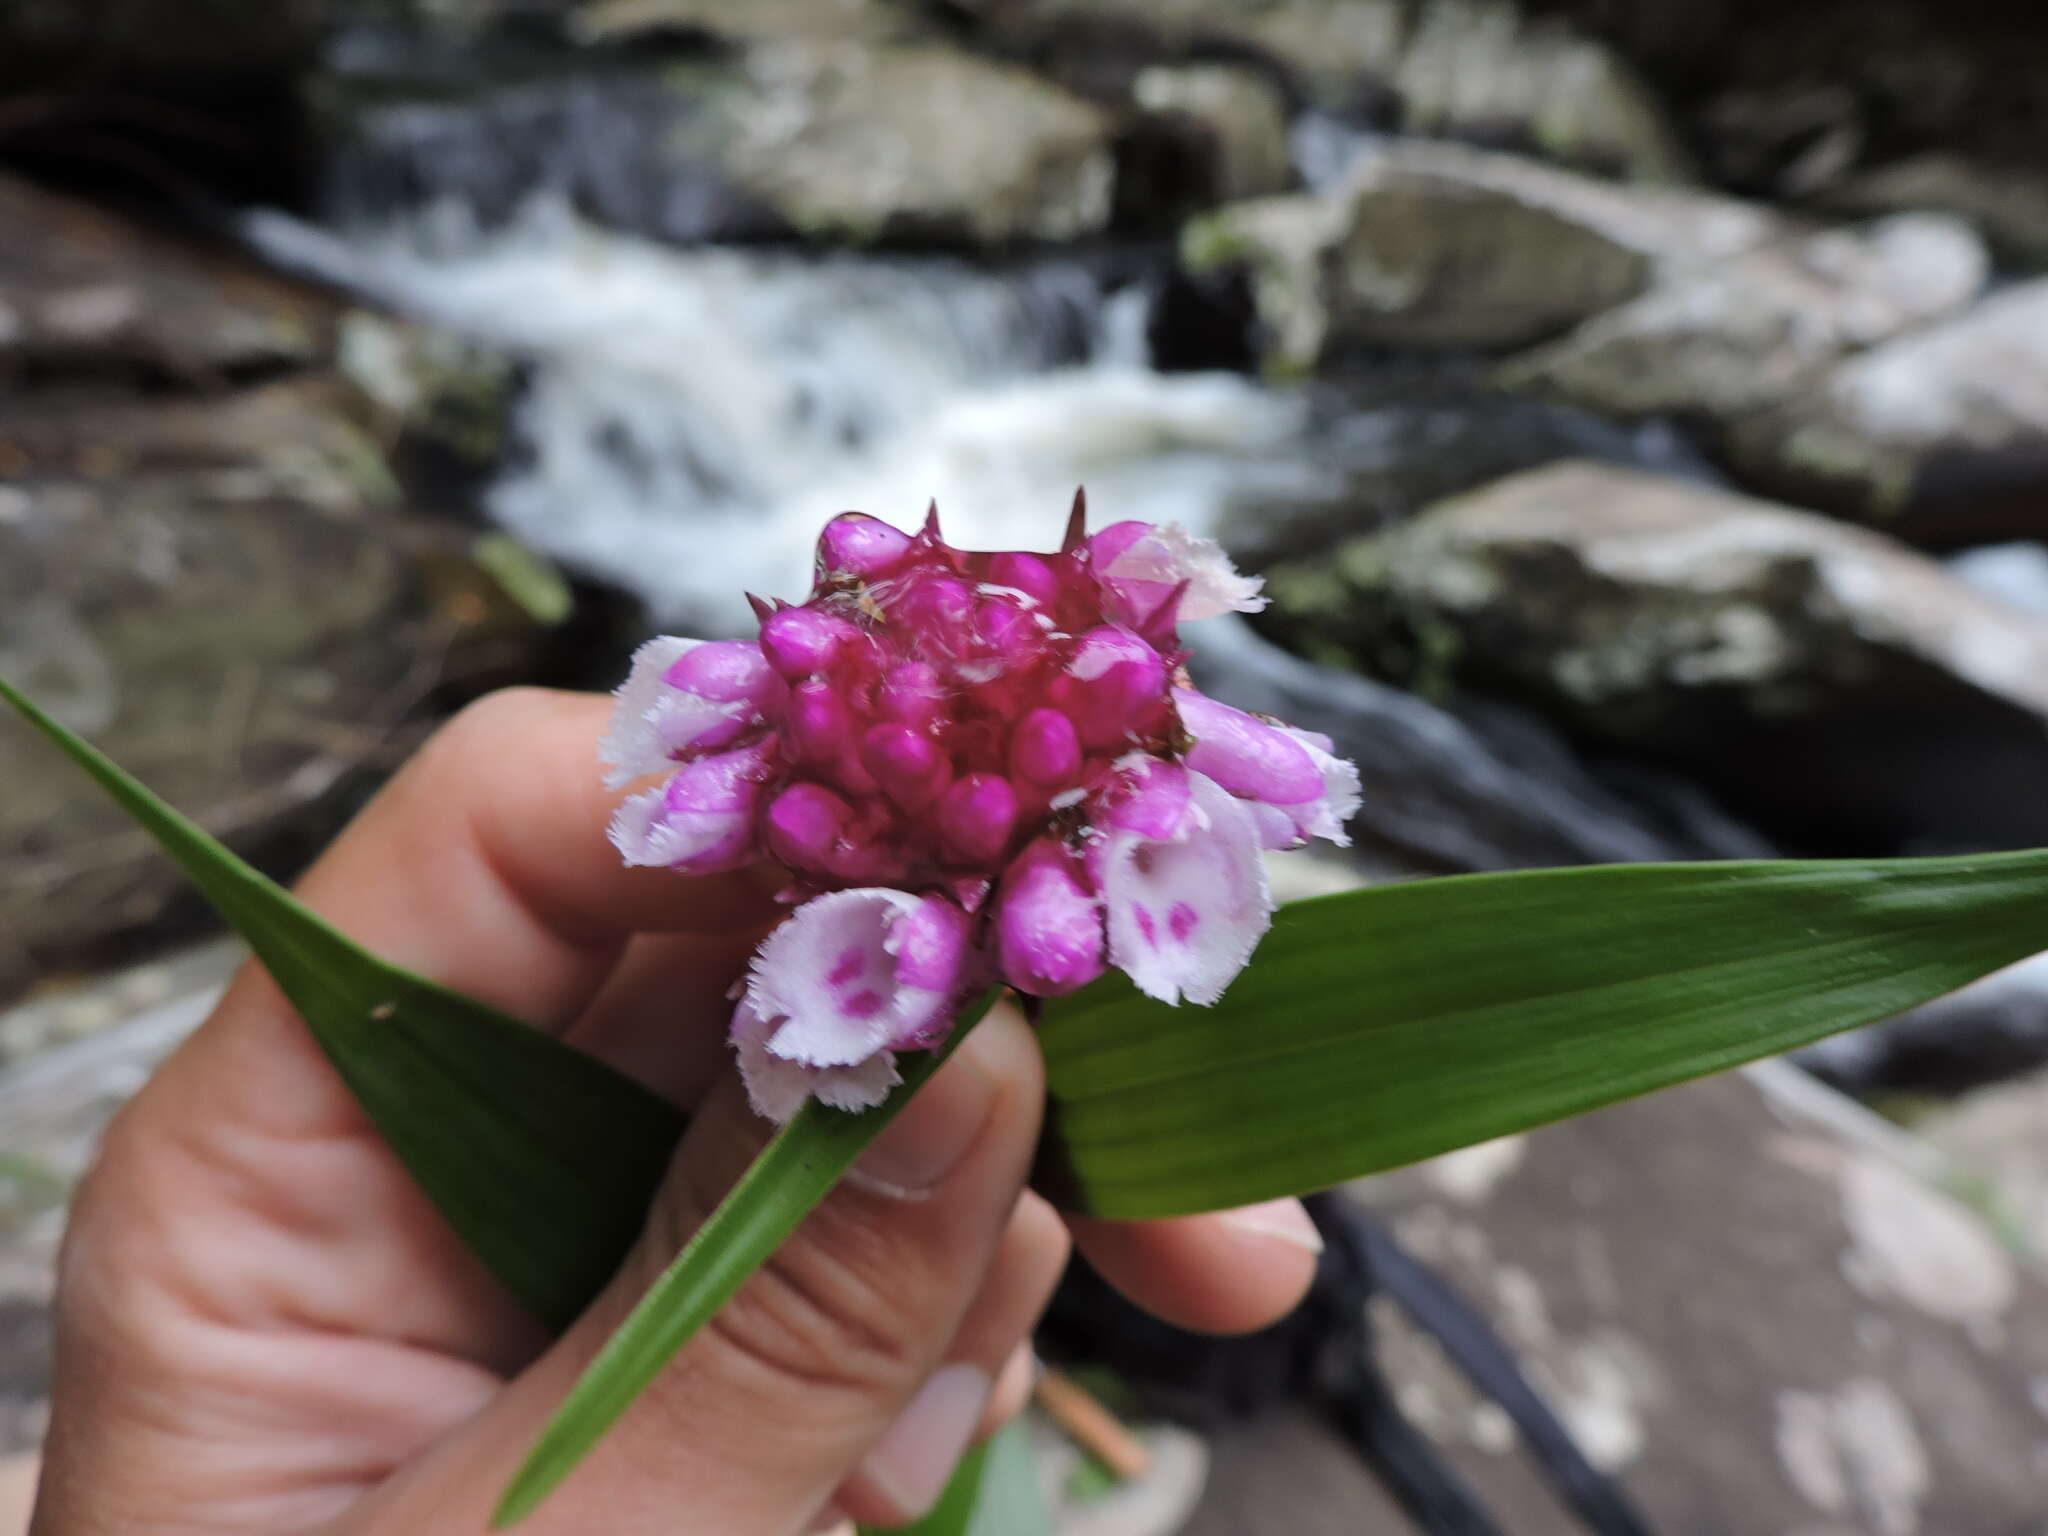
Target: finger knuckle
(839,1311)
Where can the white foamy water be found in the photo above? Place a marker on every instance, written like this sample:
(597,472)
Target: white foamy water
(694,416)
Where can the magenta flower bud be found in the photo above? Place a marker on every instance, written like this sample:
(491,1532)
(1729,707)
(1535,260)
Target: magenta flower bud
(1008,629)
(818,723)
(802,642)
(1115,688)
(803,827)
(907,764)
(1148,797)
(939,608)
(1045,749)
(724,671)
(821,731)
(913,694)
(1049,931)
(1245,755)
(932,946)
(1112,543)
(1029,574)
(702,821)
(977,817)
(854,544)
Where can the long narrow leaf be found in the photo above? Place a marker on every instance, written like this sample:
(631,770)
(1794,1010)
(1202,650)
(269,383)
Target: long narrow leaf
(541,1157)
(783,1185)
(1384,1026)
(994,1492)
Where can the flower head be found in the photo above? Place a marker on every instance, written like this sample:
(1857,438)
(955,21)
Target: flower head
(976,767)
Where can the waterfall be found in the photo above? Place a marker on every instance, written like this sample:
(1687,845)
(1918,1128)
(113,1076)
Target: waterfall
(693,415)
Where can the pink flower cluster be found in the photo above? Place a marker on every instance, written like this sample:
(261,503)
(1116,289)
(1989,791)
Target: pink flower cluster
(975,767)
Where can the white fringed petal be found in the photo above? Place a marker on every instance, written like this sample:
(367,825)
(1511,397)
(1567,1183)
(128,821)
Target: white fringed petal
(636,744)
(1170,555)
(1185,914)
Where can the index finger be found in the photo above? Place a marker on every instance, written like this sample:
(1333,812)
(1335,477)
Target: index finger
(485,865)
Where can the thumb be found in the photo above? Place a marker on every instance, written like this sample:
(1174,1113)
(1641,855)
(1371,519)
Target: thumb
(788,1397)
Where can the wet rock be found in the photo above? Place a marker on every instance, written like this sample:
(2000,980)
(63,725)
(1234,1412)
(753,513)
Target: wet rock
(1228,126)
(919,144)
(1747,1302)
(747,21)
(1940,435)
(1439,246)
(1742,335)
(1774,654)
(1481,70)
(2009,203)
(1470,69)
(922,143)
(82,291)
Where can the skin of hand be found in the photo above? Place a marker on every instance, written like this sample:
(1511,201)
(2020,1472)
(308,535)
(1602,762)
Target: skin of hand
(263,1327)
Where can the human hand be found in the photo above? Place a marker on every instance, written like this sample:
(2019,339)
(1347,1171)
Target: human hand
(264,1327)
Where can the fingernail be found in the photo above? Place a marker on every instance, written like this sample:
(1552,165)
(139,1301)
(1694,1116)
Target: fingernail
(934,1131)
(911,1463)
(1282,1220)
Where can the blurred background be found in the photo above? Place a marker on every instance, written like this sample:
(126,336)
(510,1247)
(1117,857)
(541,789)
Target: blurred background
(1639,412)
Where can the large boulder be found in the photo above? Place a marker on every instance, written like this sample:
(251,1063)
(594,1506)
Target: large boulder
(916,143)
(1940,435)
(1841,689)
(1437,245)
(1725,340)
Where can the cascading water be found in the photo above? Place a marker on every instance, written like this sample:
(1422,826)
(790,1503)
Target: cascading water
(693,416)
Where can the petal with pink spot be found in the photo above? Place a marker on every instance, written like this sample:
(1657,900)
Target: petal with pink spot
(1186,913)
(839,985)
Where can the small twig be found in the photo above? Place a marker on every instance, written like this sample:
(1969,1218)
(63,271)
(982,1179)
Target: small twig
(1091,1426)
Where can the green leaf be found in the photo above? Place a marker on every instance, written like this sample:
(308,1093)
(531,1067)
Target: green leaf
(541,1157)
(994,1492)
(1384,1026)
(796,1170)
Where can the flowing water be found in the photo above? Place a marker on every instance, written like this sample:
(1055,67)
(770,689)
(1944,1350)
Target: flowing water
(693,416)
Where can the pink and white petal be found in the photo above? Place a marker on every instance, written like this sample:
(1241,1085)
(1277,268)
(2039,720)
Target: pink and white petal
(1185,915)
(1248,756)
(1168,555)
(830,976)
(688,722)
(777,1088)
(633,745)
(1341,797)
(1146,795)
(1275,824)
(648,830)
(638,827)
